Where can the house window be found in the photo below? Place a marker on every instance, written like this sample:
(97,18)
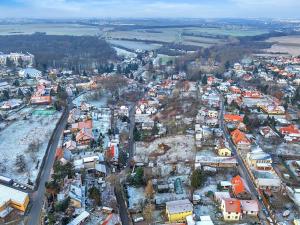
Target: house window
(228,217)
(236,217)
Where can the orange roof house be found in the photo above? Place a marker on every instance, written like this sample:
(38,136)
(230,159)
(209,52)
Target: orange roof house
(232,205)
(40,100)
(231,209)
(83,124)
(291,129)
(252,94)
(291,133)
(239,187)
(239,139)
(233,118)
(84,136)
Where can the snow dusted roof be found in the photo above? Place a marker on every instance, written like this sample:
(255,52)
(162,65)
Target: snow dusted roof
(9,194)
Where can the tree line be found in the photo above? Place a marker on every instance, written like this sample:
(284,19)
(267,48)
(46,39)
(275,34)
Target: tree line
(70,52)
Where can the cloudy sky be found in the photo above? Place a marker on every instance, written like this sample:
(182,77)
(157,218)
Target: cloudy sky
(150,8)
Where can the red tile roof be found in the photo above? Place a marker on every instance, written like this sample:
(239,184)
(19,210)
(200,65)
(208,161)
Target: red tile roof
(238,185)
(83,124)
(232,205)
(233,118)
(291,129)
(238,137)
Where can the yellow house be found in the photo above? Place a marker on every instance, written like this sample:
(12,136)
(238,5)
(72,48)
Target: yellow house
(273,109)
(13,198)
(231,209)
(224,152)
(177,211)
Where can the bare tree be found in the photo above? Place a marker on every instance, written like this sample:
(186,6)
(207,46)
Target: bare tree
(149,190)
(148,213)
(20,163)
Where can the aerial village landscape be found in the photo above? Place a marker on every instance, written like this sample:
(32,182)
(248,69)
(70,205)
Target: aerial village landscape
(142,143)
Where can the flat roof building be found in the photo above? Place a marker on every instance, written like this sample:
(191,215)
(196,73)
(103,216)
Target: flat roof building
(177,211)
(13,198)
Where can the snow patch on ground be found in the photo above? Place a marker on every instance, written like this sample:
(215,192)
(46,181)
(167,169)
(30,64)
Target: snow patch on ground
(136,196)
(182,148)
(15,140)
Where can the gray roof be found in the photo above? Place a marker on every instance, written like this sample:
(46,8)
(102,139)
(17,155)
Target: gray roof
(179,206)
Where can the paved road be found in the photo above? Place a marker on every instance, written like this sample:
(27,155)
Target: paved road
(122,205)
(131,128)
(242,167)
(37,197)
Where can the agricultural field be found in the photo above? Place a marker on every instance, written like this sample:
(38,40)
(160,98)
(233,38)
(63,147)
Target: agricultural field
(193,36)
(24,143)
(285,44)
(50,29)
(134,45)
(122,52)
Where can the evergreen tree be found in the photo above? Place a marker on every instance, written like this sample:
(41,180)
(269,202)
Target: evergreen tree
(204,80)
(95,194)
(197,179)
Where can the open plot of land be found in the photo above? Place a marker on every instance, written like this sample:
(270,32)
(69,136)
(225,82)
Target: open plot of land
(136,197)
(228,31)
(285,44)
(51,29)
(16,139)
(133,45)
(87,97)
(178,148)
(194,36)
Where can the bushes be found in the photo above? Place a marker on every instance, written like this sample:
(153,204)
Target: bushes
(94,193)
(62,206)
(197,179)
(138,178)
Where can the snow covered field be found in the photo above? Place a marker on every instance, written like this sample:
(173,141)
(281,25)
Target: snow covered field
(182,148)
(15,140)
(136,197)
(102,102)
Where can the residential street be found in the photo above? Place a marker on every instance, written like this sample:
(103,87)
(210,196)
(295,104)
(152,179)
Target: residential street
(242,167)
(122,205)
(131,138)
(37,198)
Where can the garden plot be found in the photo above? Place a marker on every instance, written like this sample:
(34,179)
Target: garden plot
(26,140)
(167,150)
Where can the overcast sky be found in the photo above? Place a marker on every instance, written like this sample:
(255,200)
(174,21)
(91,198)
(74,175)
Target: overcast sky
(150,8)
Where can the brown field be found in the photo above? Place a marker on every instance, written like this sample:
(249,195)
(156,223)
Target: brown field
(285,44)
